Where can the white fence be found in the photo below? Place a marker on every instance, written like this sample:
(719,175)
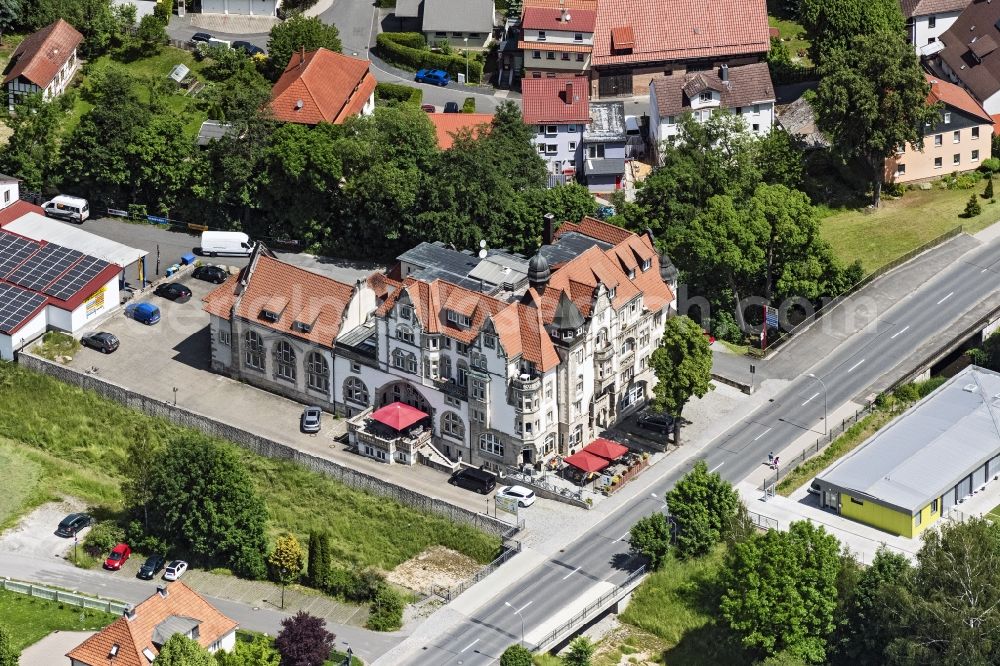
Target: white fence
(63,597)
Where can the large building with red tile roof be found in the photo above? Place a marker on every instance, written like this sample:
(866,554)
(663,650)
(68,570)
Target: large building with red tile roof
(512,360)
(559,110)
(556,41)
(44,62)
(136,638)
(959,141)
(322,86)
(635,40)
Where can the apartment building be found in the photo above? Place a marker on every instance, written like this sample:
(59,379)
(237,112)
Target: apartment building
(559,109)
(556,42)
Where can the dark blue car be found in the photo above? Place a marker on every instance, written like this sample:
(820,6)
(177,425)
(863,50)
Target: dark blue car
(145,313)
(438,77)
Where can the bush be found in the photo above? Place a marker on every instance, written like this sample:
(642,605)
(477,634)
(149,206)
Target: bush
(724,327)
(972,209)
(413,40)
(516,655)
(927,386)
(403,55)
(965,181)
(102,537)
(907,393)
(386,611)
(395,93)
(136,537)
(469,105)
(353,585)
(991,165)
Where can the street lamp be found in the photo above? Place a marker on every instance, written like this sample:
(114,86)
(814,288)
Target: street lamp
(466,40)
(826,423)
(284,573)
(507,604)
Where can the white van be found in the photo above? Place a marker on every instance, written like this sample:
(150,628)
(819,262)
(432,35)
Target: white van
(73,209)
(233,243)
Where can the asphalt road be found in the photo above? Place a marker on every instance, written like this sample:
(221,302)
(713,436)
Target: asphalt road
(601,555)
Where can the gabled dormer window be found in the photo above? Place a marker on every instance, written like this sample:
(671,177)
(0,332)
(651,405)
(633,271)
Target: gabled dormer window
(459,319)
(405,312)
(705,96)
(612,292)
(646,265)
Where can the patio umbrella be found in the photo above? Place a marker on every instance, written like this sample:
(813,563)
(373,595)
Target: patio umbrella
(587,462)
(605,448)
(398,415)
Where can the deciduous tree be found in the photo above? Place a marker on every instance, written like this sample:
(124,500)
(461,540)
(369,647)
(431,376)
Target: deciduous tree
(832,24)
(683,368)
(872,98)
(516,655)
(286,559)
(650,536)
(868,627)
(580,652)
(258,652)
(386,610)
(296,34)
(304,641)
(32,151)
(703,506)
(179,650)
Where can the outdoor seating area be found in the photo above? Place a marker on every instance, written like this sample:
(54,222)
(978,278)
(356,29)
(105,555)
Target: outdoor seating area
(605,464)
(394,433)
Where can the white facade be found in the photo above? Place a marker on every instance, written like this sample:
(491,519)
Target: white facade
(758,116)
(560,145)
(926,31)
(241,7)
(559,37)
(21,86)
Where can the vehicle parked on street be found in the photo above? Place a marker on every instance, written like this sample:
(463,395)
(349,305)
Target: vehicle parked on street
(151,567)
(144,313)
(311,420)
(215,41)
(173,291)
(71,209)
(659,422)
(213,274)
(175,570)
(73,523)
(473,479)
(202,37)
(451,107)
(235,243)
(250,49)
(437,77)
(429,108)
(119,556)
(102,341)
(525,496)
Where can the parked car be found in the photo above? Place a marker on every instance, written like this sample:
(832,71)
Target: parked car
(102,341)
(144,313)
(250,49)
(814,488)
(451,107)
(525,496)
(151,567)
(429,108)
(119,556)
(175,570)
(202,37)
(438,77)
(311,420)
(653,421)
(173,291)
(210,274)
(73,523)
(476,480)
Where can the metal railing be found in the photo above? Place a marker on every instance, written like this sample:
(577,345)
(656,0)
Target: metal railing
(763,522)
(596,607)
(449,593)
(540,483)
(63,597)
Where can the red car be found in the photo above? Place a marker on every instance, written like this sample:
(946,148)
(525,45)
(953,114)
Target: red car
(119,555)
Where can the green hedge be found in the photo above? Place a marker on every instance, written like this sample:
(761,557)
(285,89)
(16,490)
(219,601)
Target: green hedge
(469,106)
(413,40)
(408,57)
(395,93)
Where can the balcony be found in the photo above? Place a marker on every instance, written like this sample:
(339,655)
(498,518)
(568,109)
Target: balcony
(392,444)
(451,388)
(383,443)
(604,353)
(527,381)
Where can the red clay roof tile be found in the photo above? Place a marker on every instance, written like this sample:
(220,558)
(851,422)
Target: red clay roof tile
(552,18)
(42,54)
(322,86)
(556,100)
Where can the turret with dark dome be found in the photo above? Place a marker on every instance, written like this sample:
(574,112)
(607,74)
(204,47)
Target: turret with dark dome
(538,272)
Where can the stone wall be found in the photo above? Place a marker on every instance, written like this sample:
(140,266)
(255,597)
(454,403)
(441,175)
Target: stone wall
(262,445)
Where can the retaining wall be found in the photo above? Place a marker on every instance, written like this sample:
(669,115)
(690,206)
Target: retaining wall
(262,445)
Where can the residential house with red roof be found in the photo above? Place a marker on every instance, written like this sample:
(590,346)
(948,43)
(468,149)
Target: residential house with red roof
(959,141)
(557,41)
(44,62)
(136,638)
(322,86)
(744,90)
(927,20)
(448,125)
(637,40)
(559,110)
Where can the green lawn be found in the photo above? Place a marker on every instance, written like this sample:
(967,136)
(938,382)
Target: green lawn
(78,439)
(876,237)
(21,476)
(994,514)
(793,37)
(30,619)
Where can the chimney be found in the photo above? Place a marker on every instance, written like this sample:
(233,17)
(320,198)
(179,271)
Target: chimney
(129,612)
(724,73)
(569,92)
(302,55)
(162,591)
(547,228)
(564,15)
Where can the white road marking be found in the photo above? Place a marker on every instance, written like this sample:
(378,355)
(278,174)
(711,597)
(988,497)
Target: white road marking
(761,434)
(950,294)
(525,606)
(717,466)
(810,398)
(856,365)
(900,332)
(568,575)
(621,537)
(468,646)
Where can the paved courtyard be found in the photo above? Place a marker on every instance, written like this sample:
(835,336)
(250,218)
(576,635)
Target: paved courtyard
(53,648)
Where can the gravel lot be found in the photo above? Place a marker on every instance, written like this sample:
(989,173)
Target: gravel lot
(35,534)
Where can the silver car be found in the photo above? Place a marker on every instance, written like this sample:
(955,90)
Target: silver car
(310,422)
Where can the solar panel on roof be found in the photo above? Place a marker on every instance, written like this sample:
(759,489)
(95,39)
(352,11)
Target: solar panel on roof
(16,305)
(14,250)
(45,266)
(76,278)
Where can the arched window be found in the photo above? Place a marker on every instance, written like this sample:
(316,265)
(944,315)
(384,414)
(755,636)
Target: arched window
(577,437)
(491,444)
(355,391)
(404,333)
(550,444)
(451,425)
(253,350)
(318,372)
(628,345)
(405,361)
(284,361)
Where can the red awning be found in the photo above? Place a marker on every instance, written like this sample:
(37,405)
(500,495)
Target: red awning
(588,462)
(398,415)
(605,448)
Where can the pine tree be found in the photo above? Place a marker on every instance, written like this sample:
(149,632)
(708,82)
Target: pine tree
(972,209)
(314,577)
(988,193)
(324,552)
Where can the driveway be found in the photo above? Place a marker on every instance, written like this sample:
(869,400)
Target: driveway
(35,535)
(53,648)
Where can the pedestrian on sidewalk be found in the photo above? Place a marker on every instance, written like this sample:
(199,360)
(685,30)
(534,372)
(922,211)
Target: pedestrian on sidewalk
(776,459)
(770,459)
